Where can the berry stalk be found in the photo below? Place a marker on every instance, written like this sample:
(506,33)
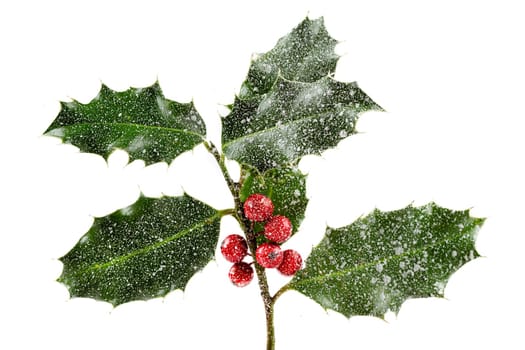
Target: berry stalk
(265,295)
(247,227)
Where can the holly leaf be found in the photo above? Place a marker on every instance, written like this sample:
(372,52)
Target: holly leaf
(306,54)
(140,121)
(286,187)
(143,251)
(385,258)
(292,120)
(289,106)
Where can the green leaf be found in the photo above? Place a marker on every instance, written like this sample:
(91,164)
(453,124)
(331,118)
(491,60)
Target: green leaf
(381,260)
(306,54)
(139,120)
(143,251)
(292,120)
(286,187)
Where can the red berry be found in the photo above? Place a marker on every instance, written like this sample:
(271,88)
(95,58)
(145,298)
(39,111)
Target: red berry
(292,262)
(234,248)
(258,207)
(269,255)
(241,274)
(278,229)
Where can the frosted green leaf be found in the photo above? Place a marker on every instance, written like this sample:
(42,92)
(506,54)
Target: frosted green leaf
(306,54)
(143,251)
(376,263)
(286,187)
(290,106)
(293,119)
(140,121)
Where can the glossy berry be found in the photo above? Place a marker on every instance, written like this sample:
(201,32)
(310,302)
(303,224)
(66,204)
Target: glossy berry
(241,274)
(292,263)
(234,248)
(269,255)
(278,229)
(258,207)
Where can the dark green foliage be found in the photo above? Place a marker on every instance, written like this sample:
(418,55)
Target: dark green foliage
(286,187)
(143,251)
(381,260)
(306,54)
(139,121)
(289,105)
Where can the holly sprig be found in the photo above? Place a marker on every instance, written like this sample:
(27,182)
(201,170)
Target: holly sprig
(289,106)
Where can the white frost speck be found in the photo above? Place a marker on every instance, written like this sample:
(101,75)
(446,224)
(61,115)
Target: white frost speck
(379,267)
(126,211)
(440,286)
(140,142)
(59,132)
(386,279)
(308,95)
(265,104)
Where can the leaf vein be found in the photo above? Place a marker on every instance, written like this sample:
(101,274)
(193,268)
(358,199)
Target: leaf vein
(362,266)
(148,248)
(132,125)
(280,126)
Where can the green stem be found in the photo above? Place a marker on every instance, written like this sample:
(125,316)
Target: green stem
(251,238)
(224,212)
(265,295)
(280,292)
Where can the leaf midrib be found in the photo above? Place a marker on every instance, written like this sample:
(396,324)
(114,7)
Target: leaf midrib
(131,125)
(147,248)
(375,262)
(260,132)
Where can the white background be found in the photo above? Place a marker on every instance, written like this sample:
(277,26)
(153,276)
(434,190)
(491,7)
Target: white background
(449,73)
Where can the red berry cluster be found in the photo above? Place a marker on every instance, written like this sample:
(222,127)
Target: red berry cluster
(277,229)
